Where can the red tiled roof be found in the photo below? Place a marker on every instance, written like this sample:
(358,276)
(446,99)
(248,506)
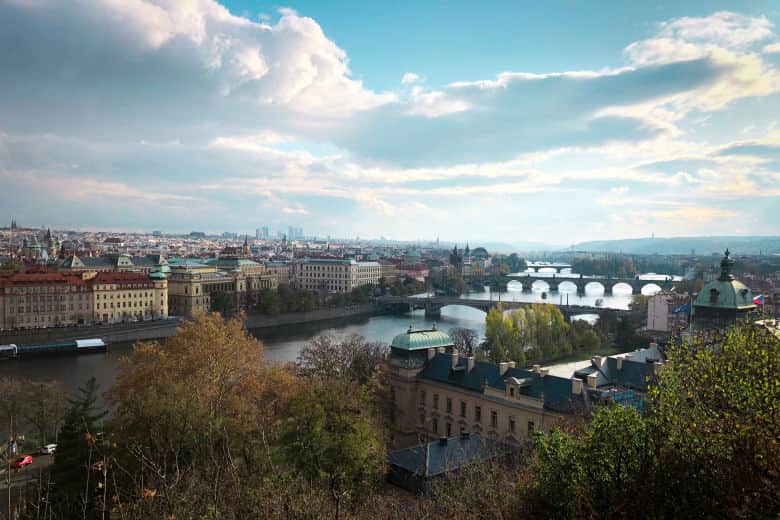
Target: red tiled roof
(46,278)
(120,277)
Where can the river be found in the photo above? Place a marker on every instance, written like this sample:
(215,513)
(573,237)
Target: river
(283,344)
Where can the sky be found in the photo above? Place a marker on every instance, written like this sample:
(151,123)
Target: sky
(553,122)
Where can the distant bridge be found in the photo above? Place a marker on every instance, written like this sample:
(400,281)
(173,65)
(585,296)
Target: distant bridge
(434,304)
(607,283)
(558,266)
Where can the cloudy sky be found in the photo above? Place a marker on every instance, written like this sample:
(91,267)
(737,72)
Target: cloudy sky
(535,121)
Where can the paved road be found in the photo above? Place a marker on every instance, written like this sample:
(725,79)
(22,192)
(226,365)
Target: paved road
(27,474)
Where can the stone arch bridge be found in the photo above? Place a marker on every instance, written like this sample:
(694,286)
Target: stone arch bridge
(434,304)
(608,283)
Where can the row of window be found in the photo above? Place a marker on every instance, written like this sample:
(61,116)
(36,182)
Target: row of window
(511,425)
(477,412)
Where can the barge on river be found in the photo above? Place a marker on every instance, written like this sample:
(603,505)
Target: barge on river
(70,347)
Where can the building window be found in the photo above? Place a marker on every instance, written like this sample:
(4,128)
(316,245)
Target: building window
(449,405)
(530,429)
(512,424)
(392,394)
(422,419)
(463,408)
(422,397)
(435,422)
(493,418)
(449,429)
(511,391)
(435,401)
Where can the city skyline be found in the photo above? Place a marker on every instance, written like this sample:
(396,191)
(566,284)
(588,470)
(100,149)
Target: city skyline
(508,124)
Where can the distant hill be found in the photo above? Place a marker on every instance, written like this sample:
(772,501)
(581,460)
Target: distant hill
(684,245)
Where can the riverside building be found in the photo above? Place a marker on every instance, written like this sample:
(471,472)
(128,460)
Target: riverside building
(336,275)
(437,392)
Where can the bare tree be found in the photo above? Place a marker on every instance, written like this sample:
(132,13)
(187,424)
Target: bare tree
(465,340)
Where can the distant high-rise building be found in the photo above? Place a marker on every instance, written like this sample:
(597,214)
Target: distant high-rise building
(156,233)
(257,232)
(265,232)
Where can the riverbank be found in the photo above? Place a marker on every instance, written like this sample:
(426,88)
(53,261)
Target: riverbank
(116,333)
(262,321)
(148,330)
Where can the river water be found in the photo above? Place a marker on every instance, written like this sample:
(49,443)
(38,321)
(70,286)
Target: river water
(284,343)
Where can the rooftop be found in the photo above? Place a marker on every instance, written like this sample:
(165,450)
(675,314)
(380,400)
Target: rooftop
(421,339)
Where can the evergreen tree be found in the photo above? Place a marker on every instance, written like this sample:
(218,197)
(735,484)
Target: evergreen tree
(74,483)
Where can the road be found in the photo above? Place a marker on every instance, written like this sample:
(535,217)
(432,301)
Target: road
(27,474)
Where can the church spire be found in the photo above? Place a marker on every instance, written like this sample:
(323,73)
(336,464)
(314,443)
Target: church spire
(725,267)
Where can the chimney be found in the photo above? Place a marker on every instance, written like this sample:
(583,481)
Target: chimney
(620,363)
(440,350)
(502,368)
(543,372)
(592,378)
(427,459)
(537,368)
(511,364)
(576,386)
(454,358)
(470,363)
(431,353)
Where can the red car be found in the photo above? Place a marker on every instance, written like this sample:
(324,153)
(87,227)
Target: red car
(24,460)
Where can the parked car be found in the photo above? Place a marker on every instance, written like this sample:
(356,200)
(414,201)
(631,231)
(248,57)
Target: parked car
(48,449)
(24,460)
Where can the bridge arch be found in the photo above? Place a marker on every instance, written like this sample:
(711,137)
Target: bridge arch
(622,288)
(567,286)
(540,285)
(650,289)
(514,285)
(595,288)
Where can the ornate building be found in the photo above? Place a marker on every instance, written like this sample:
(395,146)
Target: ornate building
(723,301)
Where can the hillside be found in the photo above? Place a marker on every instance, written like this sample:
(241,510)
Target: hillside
(742,245)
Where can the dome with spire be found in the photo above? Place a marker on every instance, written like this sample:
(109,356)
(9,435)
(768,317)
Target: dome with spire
(726,292)
(723,301)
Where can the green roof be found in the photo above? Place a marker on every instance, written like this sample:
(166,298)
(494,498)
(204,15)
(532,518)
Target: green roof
(725,292)
(421,339)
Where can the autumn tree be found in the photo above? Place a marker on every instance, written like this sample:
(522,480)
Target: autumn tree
(185,413)
(332,439)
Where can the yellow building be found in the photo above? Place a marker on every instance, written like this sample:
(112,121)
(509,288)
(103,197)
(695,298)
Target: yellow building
(122,297)
(336,275)
(437,392)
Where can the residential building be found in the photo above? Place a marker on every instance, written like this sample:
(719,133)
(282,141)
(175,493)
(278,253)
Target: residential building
(42,298)
(667,311)
(122,296)
(335,275)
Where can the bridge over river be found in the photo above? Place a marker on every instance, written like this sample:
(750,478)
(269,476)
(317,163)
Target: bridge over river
(434,304)
(553,282)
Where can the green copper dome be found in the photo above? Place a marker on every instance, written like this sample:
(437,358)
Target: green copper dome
(726,292)
(421,339)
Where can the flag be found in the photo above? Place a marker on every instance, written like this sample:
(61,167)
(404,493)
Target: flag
(758,300)
(682,308)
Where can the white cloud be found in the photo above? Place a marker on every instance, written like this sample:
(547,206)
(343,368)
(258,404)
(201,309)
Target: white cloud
(294,211)
(409,78)
(771,48)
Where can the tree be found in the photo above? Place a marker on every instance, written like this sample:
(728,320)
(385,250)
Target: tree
(465,340)
(332,440)
(75,485)
(716,412)
(222,302)
(200,410)
(351,359)
(44,408)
